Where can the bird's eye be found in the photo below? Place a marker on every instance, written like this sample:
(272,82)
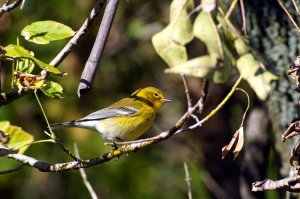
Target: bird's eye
(156,94)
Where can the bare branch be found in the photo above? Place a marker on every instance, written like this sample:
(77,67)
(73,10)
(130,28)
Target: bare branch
(14,169)
(232,6)
(79,34)
(8,7)
(188,180)
(10,96)
(214,187)
(84,177)
(188,98)
(243,17)
(296,7)
(291,184)
(222,103)
(89,72)
(203,95)
(289,15)
(125,149)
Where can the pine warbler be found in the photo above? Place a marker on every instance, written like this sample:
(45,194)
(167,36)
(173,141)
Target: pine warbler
(124,120)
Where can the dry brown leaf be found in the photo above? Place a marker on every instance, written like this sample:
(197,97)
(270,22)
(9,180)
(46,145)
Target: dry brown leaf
(237,138)
(240,142)
(29,80)
(291,131)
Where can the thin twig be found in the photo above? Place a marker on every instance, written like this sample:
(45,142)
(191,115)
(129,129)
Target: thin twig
(14,169)
(202,100)
(213,186)
(12,95)
(188,180)
(89,72)
(248,105)
(188,98)
(289,15)
(79,34)
(52,135)
(8,7)
(222,103)
(244,28)
(84,177)
(195,10)
(232,6)
(296,7)
(125,149)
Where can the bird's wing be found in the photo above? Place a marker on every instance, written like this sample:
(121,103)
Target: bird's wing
(110,112)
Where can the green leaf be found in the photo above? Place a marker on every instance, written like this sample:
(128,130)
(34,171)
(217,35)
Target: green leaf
(197,67)
(15,51)
(241,46)
(53,89)
(170,42)
(258,79)
(235,41)
(25,66)
(18,138)
(42,32)
(206,30)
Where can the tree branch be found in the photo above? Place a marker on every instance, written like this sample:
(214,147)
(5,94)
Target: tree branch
(126,148)
(79,34)
(291,184)
(84,177)
(10,96)
(188,180)
(89,72)
(8,7)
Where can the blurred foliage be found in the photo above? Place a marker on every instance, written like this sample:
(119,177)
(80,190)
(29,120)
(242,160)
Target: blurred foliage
(227,50)
(13,137)
(130,62)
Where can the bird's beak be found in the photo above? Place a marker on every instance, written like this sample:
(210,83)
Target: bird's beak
(166,100)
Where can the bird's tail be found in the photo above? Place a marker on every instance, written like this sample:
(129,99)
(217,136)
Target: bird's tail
(63,125)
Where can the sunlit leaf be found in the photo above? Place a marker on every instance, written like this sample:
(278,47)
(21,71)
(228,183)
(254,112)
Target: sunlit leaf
(42,32)
(25,66)
(20,52)
(197,67)
(4,137)
(208,5)
(53,89)
(205,29)
(258,79)
(169,43)
(18,138)
(241,46)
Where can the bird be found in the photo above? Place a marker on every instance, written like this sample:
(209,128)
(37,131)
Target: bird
(124,120)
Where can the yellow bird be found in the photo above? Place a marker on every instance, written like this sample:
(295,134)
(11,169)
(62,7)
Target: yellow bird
(124,120)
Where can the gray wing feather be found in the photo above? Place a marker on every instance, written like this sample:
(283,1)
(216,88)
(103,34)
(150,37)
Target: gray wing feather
(110,112)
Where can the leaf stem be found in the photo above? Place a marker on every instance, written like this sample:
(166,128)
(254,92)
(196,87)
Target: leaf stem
(44,114)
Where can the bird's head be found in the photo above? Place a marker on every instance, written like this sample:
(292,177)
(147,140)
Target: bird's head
(153,96)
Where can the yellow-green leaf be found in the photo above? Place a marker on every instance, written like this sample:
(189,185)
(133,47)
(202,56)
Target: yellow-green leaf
(241,46)
(197,67)
(170,42)
(52,89)
(20,52)
(42,32)
(205,29)
(18,138)
(258,79)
